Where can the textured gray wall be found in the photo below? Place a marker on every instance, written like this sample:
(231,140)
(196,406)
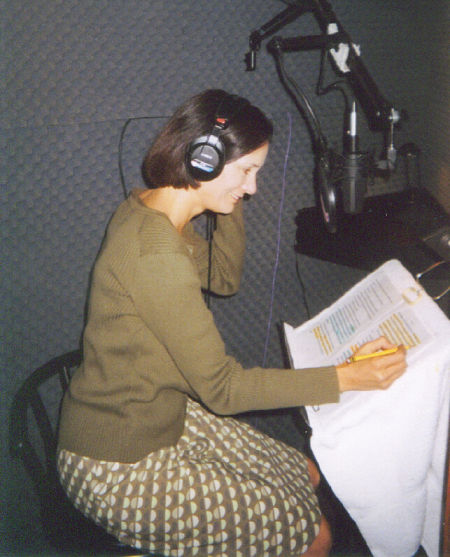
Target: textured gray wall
(75,70)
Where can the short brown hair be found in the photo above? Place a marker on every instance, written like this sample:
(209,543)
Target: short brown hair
(164,163)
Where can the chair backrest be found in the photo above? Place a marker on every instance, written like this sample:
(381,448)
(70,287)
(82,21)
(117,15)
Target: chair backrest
(33,438)
(35,402)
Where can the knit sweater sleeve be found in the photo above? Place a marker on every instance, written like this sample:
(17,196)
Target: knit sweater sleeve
(227,254)
(168,298)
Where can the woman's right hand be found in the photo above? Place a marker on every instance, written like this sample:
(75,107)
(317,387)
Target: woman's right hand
(373,373)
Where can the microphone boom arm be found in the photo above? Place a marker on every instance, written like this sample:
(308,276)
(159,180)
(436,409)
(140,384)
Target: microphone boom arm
(344,55)
(286,16)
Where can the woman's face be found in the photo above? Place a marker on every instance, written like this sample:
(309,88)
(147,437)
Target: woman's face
(236,179)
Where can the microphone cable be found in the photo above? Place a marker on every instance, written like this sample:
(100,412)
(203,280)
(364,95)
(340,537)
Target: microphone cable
(302,102)
(303,287)
(277,252)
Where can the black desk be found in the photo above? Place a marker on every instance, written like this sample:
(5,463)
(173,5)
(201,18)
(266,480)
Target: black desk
(391,226)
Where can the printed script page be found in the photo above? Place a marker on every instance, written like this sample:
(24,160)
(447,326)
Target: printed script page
(384,303)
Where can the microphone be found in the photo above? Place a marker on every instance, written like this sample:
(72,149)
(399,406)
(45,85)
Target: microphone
(355,168)
(341,180)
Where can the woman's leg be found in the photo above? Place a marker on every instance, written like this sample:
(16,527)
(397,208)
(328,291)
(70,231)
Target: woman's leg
(322,544)
(314,473)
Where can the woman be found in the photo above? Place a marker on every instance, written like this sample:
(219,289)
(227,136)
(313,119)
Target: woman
(147,447)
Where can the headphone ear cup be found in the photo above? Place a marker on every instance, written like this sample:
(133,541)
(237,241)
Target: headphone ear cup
(205,158)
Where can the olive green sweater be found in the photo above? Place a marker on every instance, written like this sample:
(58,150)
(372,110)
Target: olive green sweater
(150,341)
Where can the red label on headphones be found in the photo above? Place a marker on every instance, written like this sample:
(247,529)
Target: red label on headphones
(221,121)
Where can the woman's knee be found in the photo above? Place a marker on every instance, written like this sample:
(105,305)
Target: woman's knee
(314,474)
(321,545)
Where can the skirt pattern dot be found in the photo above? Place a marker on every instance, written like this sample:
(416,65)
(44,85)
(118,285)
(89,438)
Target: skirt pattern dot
(224,489)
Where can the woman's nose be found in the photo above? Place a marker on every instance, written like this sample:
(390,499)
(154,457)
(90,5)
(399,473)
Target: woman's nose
(250,185)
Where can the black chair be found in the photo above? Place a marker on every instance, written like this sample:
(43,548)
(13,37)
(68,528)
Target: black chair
(32,438)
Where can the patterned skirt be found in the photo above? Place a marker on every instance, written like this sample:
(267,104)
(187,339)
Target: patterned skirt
(225,489)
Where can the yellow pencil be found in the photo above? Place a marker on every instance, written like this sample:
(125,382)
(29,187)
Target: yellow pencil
(376,354)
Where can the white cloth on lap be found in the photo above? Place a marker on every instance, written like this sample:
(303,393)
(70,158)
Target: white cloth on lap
(383,453)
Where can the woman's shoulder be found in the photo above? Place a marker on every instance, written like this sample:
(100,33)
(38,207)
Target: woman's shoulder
(157,233)
(143,230)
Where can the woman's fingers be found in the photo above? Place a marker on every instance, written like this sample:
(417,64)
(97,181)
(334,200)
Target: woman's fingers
(374,373)
(381,343)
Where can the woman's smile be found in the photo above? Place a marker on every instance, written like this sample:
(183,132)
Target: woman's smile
(238,178)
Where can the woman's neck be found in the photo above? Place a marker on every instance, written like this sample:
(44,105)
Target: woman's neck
(179,204)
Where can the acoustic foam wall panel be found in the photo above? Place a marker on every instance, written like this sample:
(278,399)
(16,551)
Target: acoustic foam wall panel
(74,71)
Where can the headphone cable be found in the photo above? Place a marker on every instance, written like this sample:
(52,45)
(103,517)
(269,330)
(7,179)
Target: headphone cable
(120,147)
(210,227)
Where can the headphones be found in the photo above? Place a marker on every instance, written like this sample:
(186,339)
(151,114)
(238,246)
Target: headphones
(205,156)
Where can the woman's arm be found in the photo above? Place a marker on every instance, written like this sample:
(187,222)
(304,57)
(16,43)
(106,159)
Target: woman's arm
(165,290)
(228,249)
(166,293)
